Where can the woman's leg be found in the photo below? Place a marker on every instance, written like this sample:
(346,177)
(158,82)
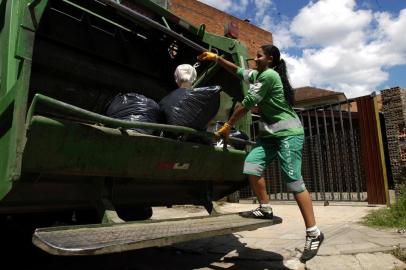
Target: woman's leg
(258,186)
(290,156)
(264,210)
(255,164)
(304,202)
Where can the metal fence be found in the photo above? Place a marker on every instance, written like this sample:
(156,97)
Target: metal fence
(331,158)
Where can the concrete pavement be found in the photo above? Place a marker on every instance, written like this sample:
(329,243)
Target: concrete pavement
(348,245)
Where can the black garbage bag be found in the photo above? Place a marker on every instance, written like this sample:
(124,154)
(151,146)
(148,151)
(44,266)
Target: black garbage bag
(134,107)
(235,134)
(239,135)
(191,108)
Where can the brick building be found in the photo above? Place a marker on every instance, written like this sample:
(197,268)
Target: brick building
(306,97)
(215,20)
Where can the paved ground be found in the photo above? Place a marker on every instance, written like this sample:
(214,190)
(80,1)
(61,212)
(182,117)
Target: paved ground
(348,244)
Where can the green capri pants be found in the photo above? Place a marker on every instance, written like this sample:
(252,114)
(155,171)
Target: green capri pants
(289,151)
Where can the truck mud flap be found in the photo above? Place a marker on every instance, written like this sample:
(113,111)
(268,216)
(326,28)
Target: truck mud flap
(112,238)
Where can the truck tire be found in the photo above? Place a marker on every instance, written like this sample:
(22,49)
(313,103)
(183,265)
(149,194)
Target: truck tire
(234,197)
(134,213)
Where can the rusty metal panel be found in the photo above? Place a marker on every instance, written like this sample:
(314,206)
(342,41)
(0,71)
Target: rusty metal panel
(372,153)
(331,163)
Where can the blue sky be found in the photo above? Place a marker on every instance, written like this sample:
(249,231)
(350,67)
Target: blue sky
(353,46)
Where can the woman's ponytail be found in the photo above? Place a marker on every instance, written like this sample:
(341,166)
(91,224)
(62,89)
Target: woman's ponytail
(279,65)
(287,88)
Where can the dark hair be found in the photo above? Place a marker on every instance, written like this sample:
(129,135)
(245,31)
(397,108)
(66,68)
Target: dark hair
(279,66)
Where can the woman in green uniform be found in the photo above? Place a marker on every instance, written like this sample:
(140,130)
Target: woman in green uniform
(282,136)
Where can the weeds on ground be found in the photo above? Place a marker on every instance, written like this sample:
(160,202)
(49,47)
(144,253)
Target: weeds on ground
(391,217)
(400,254)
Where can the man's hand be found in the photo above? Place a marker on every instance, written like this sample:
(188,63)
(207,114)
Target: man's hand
(224,131)
(208,56)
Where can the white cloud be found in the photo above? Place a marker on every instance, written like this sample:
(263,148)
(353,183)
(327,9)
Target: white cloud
(330,22)
(352,70)
(223,5)
(280,30)
(240,6)
(231,6)
(261,8)
(342,48)
(298,71)
(391,31)
(265,11)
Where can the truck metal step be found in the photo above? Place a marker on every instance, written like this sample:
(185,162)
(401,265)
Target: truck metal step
(110,238)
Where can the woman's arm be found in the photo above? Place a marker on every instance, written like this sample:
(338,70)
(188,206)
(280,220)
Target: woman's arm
(238,113)
(224,131)
(240,110)
(229,66)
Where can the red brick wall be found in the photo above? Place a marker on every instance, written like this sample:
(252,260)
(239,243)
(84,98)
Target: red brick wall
(198,13)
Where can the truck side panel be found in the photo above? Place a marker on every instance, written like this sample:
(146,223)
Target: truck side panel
(15,68)
(54,48)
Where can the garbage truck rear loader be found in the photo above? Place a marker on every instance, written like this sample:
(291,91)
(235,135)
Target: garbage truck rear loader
(61,61)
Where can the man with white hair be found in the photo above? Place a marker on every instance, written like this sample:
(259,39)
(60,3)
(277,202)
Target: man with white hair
(185,75)
(188,107)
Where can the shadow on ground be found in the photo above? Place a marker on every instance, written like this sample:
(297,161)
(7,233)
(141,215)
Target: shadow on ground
(18,251)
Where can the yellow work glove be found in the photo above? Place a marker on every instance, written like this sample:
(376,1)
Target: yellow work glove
(208,56)
(224,131)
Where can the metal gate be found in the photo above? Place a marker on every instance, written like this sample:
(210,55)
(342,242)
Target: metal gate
(342,157)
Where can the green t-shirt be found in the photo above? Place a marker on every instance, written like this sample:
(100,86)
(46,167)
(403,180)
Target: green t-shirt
(266,90)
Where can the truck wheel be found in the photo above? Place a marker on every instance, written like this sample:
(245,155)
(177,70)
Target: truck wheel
(234,197)
(86,216)
(134,213)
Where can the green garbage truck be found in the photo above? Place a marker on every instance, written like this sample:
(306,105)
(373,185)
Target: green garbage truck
(60,63)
